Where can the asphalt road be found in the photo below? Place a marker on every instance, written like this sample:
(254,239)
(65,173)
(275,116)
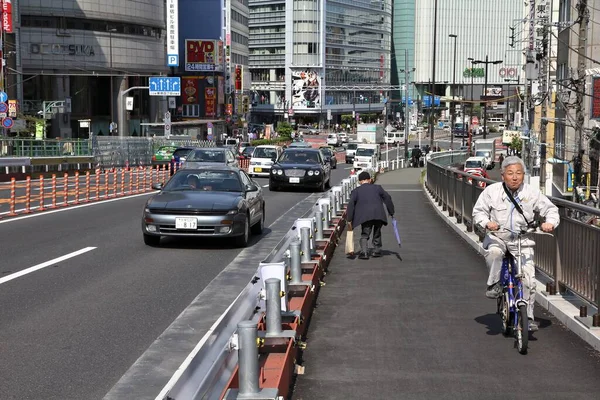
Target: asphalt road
(74,323)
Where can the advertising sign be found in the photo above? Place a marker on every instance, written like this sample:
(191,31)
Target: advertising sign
(595,112)
(172,33)
(210,95)
(190,91)
(12,108)
(493,92)
(203,55)
(306,89)
(7,25)
(238,77)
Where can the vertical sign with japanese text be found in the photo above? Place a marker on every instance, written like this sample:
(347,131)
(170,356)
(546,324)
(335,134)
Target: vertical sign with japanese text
(595,113)
(209,101)
(172,33)
(7,25)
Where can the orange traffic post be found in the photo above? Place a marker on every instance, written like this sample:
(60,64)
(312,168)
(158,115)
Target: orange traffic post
(13,189)
(76,201)
(122,184)
(145,189)
(27,195)
(137,181)
(41,208)
(106,179)
(97,181)
(114,185)
(53,194)
(66,189)
(87,186)
(130,181)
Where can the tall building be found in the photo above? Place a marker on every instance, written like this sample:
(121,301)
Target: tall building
(77,55)
(482,29)
(213,50)
(311,59)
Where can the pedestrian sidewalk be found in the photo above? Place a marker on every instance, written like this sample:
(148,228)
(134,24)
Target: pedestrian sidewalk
(415,324)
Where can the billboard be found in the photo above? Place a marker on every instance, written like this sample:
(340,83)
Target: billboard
(7,22)
(189,92)
(306,89)
(203,55)
(238,77)
(493,92)
(595,110)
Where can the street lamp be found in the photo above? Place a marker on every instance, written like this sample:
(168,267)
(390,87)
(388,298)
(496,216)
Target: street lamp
(486,62)
(112,94)
(452,103)
(469,127)
(508,101)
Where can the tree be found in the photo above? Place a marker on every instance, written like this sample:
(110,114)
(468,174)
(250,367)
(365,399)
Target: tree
(516,144)
(347,119)
(284,129)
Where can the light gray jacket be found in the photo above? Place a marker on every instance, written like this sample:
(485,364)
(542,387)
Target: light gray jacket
(494,205)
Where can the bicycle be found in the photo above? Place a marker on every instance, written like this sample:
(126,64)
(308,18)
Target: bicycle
(512,307)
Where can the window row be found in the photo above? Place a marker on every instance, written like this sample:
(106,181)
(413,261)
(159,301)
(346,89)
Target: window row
(239,18)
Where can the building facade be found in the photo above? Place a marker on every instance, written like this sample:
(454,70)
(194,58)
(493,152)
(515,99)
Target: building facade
(482,28)
(310,59)
(76,55)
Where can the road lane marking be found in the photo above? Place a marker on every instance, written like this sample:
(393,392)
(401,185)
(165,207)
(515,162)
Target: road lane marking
(267,185)
(44,265)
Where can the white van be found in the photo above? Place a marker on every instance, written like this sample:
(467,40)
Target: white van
(333,140)
(396,137)
(263,157)
(364,158)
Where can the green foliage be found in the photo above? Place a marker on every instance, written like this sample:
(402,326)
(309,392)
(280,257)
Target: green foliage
(284,129)
(347,119)
(493,129)
(516,144)
(279,140)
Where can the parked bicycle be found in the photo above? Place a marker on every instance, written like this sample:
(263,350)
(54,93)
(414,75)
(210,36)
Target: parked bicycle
(512,306)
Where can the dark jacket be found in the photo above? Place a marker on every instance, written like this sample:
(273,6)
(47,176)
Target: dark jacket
(366,204)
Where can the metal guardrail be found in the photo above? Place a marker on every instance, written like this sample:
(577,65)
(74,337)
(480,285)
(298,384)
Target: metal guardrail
(571,258)
(207,372)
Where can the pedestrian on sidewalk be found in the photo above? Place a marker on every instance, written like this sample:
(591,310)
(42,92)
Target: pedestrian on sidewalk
(366,209)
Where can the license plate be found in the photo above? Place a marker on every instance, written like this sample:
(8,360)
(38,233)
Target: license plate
(186,223)
(294,180)
(257,169)
(363,165)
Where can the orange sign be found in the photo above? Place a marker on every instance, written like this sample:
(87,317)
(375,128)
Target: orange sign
(238,77)
(229,109)
(209,101)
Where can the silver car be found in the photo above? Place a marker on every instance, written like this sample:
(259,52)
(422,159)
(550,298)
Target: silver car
(212,201)
(213,155)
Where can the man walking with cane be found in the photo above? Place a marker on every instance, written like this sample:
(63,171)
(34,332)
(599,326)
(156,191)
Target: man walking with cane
(366,209)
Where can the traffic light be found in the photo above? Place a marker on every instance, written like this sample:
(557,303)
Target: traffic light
(245,104)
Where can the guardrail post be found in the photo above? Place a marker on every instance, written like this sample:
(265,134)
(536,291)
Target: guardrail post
(333,202)
(325,212)
(295,262)
(273,299)
(248,358)
(305,244)
(319,224)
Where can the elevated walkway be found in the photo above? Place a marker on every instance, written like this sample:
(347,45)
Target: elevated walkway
(420,327)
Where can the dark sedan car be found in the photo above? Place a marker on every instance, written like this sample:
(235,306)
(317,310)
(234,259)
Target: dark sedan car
(212,201)
(304,168)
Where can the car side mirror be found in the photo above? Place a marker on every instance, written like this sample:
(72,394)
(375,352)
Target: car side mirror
(157,186)
(251,188)
(274,158)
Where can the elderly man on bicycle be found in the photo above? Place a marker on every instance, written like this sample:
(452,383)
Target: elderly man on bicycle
(512,204)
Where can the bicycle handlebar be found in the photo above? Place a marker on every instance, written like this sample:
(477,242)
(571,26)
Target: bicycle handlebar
(528,231)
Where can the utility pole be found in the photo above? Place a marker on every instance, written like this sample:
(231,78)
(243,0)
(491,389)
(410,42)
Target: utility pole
(431,131)
(406,112)
(583,18)
(453,93)
(544,59)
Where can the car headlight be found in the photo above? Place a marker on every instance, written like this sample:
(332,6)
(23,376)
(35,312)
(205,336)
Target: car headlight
(147,210)
(279,172)
(310,173)
(317,172)
(232,212)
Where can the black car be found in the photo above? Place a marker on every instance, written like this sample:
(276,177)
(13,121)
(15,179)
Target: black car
(305,168)
(329,156)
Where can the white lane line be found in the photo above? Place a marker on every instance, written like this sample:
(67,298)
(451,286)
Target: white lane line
(267,185)
(44,265)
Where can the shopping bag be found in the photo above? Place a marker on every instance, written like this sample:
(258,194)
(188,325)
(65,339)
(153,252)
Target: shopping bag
(350,242)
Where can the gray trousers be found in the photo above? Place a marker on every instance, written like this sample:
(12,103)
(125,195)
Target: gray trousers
(496,248)
(366,229)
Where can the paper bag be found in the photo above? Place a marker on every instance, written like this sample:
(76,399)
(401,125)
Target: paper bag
(350,242)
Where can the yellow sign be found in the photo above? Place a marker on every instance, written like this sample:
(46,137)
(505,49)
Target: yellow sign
(39,130)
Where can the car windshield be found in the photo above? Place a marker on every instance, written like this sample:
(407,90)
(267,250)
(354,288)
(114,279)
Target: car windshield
(248,151)
(365,152)
(264,152)
(473,164)
(301,157)
(213,181)
(482,153)
(332,137)
(230,142)
(299,144)
(207,155)
(181,152)
(352,146)
(326,151)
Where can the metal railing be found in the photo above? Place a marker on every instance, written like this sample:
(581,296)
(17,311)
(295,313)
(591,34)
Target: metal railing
(571,258)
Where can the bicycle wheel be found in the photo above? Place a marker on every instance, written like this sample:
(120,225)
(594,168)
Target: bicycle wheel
(522,330)
(505,314)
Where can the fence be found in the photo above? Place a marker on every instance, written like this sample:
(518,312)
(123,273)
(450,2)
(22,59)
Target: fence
(571,258)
